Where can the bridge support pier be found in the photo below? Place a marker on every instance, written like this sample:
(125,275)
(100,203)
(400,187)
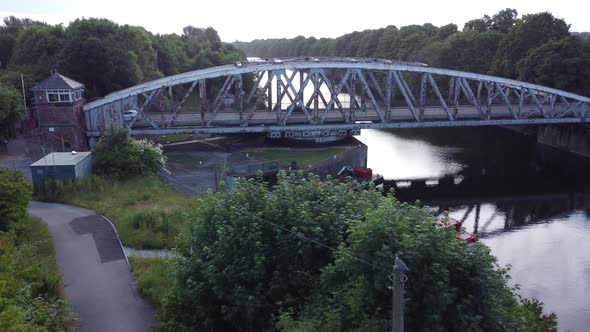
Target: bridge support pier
(570,138)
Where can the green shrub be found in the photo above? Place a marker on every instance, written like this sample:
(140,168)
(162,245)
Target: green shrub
(120,156)
(317,256)
(15,194)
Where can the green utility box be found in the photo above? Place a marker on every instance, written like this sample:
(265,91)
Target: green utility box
(61,166)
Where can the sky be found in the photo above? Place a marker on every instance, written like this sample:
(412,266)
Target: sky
(247,20)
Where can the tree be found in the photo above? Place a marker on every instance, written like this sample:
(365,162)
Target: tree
(15,194)
(317,255)
(563,64)
(531,31)
(97,55)
(451,286)
(478,25)
(36,50)
(504,20)
(118,155)
(241,263)
(11,107)
(468,51)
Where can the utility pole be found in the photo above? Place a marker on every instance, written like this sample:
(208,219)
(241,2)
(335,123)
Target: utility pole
(22,81)
(398,279)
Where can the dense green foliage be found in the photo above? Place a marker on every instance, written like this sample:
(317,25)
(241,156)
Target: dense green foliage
(11,107)
(103,55)
(503,45)
(30,282)
(15,194)
(256,260)
(31,294)
(148,214)
(120,156)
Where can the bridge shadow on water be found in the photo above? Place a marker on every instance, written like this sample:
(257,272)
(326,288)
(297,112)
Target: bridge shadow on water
(500,188)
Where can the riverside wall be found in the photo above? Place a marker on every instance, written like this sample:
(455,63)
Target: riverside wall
(571,138)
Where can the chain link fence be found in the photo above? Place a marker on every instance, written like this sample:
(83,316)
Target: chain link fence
(192,183)
(18,165)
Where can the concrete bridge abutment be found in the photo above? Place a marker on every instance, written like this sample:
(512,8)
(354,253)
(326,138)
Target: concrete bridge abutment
(571,138)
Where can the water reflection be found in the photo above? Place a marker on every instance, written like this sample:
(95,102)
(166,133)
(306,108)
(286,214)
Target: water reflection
(395,157)
(534,213)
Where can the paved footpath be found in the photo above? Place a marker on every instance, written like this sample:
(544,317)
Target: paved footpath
(97,278)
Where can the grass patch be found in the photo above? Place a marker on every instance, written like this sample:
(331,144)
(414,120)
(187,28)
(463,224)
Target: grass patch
(303,157)
(31,285)
(148,213)
(154,278)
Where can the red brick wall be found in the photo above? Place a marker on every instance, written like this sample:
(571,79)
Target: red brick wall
(62,125)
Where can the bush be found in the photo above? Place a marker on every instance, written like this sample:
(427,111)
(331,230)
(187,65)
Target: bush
(15,194)
(317,256)
(118,155)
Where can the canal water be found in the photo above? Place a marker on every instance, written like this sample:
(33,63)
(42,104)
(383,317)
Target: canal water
(529,204)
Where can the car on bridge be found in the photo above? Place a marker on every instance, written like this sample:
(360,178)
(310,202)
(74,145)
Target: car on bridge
(129,115)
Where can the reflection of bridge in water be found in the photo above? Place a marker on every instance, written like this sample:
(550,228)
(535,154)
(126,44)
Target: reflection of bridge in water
(346,95)
(519,201)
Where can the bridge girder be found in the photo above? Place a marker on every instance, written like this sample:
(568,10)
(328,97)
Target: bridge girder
(330,96)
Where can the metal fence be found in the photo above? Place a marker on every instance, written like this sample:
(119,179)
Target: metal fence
(250,170)
(192,183)
(18,165)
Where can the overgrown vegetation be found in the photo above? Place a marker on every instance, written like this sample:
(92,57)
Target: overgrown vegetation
(536,48)
(316,256)
(148,213)
(154,278)
(31,293)
(15,194)
(120,156)
(301,156)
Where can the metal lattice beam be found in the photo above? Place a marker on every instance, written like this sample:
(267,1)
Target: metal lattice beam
(369,84)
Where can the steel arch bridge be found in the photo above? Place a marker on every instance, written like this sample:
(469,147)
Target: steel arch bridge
(328,97)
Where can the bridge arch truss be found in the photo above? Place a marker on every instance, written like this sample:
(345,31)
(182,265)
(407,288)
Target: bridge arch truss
(329,96)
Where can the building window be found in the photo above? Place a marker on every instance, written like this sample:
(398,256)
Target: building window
(77,95)
(58,96)
(64,97)
(52,97)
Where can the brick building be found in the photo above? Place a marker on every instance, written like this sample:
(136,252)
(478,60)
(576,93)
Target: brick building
(56,118)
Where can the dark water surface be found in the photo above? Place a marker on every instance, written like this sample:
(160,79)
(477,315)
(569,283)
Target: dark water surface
(528,203)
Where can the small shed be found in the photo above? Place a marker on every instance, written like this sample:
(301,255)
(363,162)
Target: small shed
(61,166)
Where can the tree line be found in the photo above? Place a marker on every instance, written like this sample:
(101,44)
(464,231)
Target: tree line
(104,55)
(536,48)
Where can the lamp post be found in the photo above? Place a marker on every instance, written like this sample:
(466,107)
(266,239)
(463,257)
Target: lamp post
(398,279)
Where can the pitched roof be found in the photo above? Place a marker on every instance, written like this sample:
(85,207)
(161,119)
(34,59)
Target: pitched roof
(57,81)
